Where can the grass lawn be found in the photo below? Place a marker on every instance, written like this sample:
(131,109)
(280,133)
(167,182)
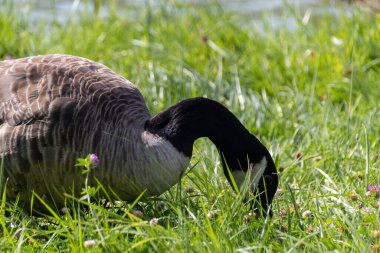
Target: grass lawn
(311,94)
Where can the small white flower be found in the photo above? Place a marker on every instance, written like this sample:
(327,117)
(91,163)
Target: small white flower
(153,222)
(306,213)
(336,41)
(375,233)
(211,214)
(280,191)
(89,243)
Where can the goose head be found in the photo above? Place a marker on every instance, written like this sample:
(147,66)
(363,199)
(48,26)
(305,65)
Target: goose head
(243,155)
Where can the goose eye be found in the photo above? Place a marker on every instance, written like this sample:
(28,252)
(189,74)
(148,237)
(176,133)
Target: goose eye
(268,179)
(161,123)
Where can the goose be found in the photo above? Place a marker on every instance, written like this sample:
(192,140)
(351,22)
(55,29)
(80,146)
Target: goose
(56,108)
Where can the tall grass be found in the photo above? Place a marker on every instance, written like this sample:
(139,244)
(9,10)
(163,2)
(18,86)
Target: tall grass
(310,94)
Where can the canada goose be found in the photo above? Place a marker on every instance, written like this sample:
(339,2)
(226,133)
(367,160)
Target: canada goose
(56,108)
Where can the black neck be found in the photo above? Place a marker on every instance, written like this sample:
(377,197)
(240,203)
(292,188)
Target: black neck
(191,119)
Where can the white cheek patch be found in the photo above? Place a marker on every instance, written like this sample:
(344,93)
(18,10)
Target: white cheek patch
(255,171)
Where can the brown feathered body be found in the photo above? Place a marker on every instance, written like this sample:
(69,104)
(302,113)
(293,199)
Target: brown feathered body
(56,108)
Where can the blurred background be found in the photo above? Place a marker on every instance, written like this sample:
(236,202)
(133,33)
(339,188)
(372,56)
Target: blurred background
(62,10)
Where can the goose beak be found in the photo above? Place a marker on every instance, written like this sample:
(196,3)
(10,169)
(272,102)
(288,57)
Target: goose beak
(262,203)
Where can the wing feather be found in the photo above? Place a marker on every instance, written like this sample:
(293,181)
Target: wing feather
(33,90)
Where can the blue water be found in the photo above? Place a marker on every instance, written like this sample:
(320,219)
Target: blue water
(60,10)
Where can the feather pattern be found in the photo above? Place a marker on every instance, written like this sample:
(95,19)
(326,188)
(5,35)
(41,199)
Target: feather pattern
(56,108)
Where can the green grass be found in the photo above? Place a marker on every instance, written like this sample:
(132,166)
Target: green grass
(311,92)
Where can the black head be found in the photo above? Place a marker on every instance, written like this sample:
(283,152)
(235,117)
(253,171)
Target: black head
(250,162)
